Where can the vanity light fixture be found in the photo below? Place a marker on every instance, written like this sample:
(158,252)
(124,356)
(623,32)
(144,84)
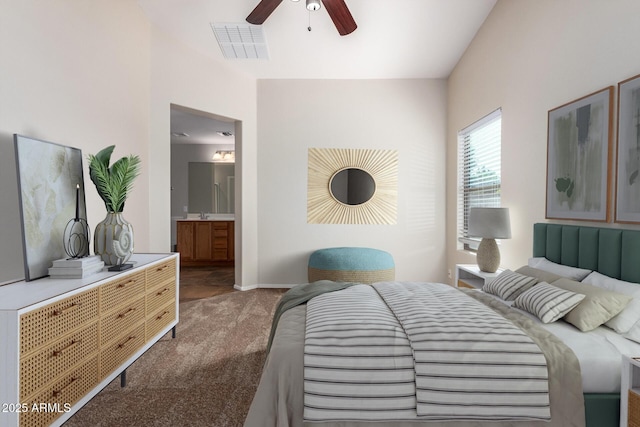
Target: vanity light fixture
(224,156)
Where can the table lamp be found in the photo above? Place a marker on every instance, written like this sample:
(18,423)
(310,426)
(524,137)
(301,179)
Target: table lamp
(490,224)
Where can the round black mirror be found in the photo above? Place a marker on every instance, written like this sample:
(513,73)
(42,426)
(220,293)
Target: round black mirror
(352,186)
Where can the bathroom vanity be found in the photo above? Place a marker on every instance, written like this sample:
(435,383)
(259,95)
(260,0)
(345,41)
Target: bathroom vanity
(208,241)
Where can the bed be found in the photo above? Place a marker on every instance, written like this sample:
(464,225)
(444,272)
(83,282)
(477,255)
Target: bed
(573,399)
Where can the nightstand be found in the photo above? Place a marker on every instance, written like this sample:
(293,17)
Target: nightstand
(630,392)
(470,276)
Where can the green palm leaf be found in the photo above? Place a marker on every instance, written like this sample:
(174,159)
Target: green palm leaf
(115,182)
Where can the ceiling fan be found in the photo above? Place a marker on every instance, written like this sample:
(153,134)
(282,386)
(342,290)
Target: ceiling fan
(337,10)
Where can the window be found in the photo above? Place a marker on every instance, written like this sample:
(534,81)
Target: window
(478,171)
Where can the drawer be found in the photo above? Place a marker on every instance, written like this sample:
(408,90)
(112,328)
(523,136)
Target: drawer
(42,367)
(124,318)
(160,296)
(121,291)
(161,319)
(161,273)
(59,396)
(116,353)
(41,326)
(634,409)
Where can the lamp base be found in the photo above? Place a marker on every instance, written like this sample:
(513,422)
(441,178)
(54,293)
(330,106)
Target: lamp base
(488,256)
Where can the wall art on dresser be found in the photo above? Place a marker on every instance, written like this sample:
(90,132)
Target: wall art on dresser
(50,180)
(579,144)
(628,159)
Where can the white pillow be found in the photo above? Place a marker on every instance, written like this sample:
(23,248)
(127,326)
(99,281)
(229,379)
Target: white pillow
(634,333)
(625,320)
(508,285)
(548,303)
(573,273)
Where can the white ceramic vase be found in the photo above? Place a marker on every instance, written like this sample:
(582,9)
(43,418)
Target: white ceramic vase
(113,239)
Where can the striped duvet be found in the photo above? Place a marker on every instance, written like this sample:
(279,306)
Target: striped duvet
(401,351)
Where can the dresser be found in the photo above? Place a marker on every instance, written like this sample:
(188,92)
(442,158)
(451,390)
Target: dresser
(63,340)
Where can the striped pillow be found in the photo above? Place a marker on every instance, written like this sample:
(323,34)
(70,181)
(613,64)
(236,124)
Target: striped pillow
(548,303)
(508,285)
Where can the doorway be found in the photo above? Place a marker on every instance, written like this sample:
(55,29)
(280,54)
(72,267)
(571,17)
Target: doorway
(198,139)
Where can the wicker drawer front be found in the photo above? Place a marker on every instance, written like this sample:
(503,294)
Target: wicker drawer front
(161,319)
(161,273)
(46,324)
(115,354)
(120,291)
(42,367)
(67,390)
(634,409)
(160,296)
(122,319)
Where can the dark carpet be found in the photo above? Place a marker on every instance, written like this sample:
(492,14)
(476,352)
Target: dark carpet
(206,376)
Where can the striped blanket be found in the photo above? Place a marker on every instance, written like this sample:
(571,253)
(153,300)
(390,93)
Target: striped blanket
(401,351)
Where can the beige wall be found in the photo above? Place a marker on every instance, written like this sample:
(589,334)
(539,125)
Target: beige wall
(295,115)
(95,73)
(184,77)
(75,73)
(531,56)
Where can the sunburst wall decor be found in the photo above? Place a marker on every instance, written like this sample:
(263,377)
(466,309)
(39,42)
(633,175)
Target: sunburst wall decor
(324,208)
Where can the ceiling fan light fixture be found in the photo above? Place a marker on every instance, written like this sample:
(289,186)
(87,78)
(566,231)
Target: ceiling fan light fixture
(313,5)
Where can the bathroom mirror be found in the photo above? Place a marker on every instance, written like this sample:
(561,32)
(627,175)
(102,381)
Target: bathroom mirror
(352,186)
(332,172)
(211,187)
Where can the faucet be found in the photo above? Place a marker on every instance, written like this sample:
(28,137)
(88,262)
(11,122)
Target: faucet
(202,215)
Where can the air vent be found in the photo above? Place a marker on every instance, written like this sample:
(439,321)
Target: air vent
(241,40)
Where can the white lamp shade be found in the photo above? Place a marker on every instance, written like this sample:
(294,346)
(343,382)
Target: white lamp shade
(490,223)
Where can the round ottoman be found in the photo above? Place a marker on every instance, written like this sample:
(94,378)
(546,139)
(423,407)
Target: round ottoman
(362,265)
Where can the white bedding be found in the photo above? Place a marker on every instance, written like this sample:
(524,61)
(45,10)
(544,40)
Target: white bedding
(599,352)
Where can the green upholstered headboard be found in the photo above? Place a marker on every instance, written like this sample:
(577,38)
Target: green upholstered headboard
(612,252)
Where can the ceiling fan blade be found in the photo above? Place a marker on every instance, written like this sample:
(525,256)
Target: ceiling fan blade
(340,15)
(262,11)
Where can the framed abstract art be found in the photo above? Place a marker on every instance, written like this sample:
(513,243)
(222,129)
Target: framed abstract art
(579,144)
(628,158)
(50,180)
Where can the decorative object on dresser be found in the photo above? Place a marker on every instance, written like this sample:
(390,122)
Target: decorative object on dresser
(490,224)
(578,158)
(48,174)
(76,268)
(628,161)
(113,236)
(76,233)
(65,339)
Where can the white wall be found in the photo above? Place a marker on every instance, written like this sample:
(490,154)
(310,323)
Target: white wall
(185,77)
(407,115)
(91,74)
(529,57)
(74,73)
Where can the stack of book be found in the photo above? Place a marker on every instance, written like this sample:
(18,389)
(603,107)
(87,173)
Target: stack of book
(76,268)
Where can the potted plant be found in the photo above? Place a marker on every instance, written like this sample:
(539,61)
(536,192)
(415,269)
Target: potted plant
(113,237)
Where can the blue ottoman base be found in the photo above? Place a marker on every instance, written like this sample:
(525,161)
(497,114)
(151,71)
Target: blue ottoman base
(350,264)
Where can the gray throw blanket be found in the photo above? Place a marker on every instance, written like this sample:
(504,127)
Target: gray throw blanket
(300,294)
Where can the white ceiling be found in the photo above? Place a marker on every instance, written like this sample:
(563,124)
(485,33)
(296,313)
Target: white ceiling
(200,128)
(394,38)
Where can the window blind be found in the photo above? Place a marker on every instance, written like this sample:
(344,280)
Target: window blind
(478,170)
